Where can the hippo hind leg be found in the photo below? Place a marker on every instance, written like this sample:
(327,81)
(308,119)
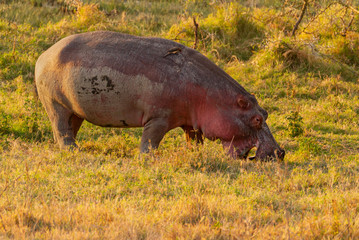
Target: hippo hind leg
(65,124)
(193,135)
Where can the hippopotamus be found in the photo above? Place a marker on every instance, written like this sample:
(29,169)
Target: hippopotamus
(118,80)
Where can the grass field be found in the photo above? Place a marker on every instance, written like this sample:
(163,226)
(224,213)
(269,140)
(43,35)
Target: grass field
(309,84)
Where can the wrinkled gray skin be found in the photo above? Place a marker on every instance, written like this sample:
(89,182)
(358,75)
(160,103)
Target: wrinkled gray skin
(117,80)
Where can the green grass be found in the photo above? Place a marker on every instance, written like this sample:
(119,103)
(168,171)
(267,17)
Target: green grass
(106,190)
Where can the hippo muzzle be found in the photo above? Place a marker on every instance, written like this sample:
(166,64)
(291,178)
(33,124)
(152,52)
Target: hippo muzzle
(267,148)
(272,154)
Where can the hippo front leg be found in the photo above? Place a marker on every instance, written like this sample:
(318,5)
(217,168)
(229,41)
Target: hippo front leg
(153,132)
(193,135)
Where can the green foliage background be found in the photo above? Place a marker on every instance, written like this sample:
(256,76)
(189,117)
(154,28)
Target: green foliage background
(308,83)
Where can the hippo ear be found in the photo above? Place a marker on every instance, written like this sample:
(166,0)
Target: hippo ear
(242,102)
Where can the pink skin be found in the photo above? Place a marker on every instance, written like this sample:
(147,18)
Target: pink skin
(237,125)
(118,80)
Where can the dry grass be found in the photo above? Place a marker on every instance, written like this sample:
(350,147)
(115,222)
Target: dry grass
(173,193)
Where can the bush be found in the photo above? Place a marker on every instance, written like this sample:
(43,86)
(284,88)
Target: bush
(335,31)
(302,57)
(345,49)
(295,124)
(89,14)
(273,21)
(228,31)
(295,55)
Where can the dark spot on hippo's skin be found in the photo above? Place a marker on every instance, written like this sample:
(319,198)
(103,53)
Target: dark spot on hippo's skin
(95,91)
(95,87)
(109,85)
(92,80)
(124,123)
(110,125)
(83,91)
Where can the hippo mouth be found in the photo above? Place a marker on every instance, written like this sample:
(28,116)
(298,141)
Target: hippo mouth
(276,154)
(267,148)
(241,149)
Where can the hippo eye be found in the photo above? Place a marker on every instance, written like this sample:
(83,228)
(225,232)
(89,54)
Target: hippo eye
(244,104)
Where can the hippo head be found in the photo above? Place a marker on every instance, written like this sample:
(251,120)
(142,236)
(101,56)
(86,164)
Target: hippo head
(252,131)
(241,126)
